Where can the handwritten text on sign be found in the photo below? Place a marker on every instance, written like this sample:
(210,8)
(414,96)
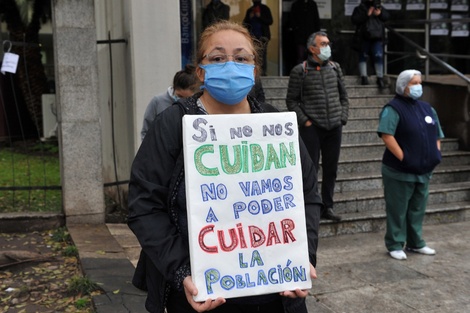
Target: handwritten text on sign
(245,203)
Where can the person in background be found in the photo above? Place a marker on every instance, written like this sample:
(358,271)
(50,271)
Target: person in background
(369,18)
(227,67)
(257,19)
(412,135)
(185,84)
(305,20)
(215,11)
(316,92)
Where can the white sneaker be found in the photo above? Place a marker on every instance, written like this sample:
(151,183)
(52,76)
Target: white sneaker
(398,254)
(424,250)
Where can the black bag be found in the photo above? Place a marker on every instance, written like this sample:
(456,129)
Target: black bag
(373,29)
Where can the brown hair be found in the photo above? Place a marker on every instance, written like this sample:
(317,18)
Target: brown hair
(227,25)
(186,78)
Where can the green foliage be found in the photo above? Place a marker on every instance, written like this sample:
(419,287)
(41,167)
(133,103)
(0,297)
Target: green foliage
(81,286)
(82,303)
(36,165)
(61,234)
(70,251)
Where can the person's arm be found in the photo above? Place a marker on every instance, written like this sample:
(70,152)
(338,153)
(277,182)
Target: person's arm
(266,16)
(294,97)
(149,116)
(384,14)
(359,15)
(393,146)
(148,217)
(343,96)
(313,205)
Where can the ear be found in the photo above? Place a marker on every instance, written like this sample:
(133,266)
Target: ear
(200,74)
(312,50)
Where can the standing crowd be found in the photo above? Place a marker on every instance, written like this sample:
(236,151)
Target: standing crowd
(225,79)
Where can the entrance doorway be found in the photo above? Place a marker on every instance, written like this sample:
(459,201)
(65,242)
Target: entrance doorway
(238,9)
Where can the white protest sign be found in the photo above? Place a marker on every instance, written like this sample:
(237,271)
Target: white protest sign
(246,214)
(10,63)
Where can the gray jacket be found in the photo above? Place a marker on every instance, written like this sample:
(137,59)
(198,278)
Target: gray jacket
(156,106)
(317,92)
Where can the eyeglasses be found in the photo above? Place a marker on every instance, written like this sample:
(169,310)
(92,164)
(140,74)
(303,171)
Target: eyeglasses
(325,44)
(223,58)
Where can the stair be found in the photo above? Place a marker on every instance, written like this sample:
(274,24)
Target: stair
(359,191)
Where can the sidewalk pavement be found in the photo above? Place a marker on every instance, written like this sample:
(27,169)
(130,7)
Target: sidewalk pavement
(355,273)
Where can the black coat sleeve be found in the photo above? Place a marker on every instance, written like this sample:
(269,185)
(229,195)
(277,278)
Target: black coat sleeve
(149,217)
(313,202)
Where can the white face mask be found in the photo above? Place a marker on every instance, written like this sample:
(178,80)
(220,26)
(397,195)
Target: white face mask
(325,53)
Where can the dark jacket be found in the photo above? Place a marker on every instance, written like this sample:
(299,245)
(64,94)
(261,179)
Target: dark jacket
(156,195)
(417,134)
(305,20)
(215,12)
(318,93)
(360,19)
(265,19)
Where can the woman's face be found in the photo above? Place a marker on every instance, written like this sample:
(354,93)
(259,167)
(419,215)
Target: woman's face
(225,42)
(416,80)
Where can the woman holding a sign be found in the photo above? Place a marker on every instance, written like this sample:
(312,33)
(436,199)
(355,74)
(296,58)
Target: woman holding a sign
(162,206)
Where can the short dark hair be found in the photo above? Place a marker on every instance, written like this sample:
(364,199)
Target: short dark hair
(186,78)
(311,39)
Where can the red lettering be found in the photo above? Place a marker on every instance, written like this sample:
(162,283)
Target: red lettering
(233,237)
(257,236)
(272,235)
(241,236)
(202,233)
(287,226)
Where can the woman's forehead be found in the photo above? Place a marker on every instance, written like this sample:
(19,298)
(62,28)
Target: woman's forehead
(227,40)
(415,78)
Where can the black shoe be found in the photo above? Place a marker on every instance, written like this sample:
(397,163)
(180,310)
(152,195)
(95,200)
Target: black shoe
(328,214)
(364,80)
(380,82)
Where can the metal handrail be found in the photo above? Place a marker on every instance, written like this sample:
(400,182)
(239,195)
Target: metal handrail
(421,51)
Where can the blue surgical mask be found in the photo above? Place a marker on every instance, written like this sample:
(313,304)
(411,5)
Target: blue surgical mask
(175,97)
(228,82)
(416,91)
(325,53)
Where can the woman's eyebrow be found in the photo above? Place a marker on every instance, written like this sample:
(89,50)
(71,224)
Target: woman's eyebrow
(222,50)
(218,49)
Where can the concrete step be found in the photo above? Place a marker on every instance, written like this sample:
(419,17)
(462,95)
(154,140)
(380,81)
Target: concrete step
(376,149)
(357,123)
(368,100)
(358,102)
(370,164)
(364,201)
(369,112)
(360,136)
(375,220)
(356,181)
(368,152)
(353,91)
(283,81)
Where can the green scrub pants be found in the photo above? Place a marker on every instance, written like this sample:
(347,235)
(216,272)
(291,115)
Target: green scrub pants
(405,204)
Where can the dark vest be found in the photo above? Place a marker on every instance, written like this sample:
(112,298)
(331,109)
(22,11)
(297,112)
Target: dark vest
(416,134)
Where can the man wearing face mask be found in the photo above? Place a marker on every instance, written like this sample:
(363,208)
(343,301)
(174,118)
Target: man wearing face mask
(412,135)
(317,93)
